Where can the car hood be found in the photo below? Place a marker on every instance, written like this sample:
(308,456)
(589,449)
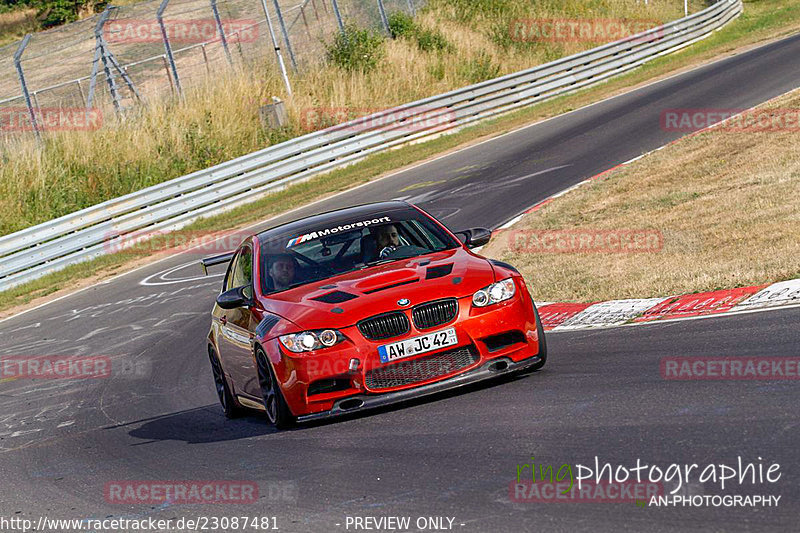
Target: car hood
(343,300)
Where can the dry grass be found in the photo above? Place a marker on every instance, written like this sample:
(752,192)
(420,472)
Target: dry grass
(726,202)
(15,24)
(761,22)
(219,121)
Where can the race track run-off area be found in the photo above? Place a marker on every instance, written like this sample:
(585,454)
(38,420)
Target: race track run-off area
(450,459)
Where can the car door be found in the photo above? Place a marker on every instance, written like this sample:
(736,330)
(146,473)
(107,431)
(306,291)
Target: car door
(238,326)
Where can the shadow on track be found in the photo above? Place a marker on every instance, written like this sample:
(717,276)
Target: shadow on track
(207,424)
(197,426)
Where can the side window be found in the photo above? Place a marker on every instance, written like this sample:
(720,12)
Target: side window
(228,284)
(243,270)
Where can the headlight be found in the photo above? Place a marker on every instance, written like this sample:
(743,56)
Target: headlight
(308,341)
(494,293)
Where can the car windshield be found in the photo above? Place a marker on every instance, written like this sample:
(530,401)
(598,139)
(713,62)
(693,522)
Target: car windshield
(304,254)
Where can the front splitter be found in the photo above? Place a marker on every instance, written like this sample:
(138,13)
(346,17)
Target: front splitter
(491,369)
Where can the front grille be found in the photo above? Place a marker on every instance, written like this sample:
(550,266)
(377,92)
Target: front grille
(434,314)
(422,369)
(384,326)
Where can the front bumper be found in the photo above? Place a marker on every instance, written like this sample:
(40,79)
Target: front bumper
(490,369)
(483,331)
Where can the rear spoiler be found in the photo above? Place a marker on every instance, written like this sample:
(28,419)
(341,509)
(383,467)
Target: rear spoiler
(215,260)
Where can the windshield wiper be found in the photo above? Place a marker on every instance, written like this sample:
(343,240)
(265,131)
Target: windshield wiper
(380,262)
(295,285)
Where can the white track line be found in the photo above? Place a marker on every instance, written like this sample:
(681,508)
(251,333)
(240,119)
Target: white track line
(412,167)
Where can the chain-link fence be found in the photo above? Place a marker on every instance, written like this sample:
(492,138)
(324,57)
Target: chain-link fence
(128,56)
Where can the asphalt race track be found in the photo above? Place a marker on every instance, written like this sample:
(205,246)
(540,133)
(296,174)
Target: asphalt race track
(601,394)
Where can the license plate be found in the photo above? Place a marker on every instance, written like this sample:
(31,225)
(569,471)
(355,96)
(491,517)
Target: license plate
(418,345)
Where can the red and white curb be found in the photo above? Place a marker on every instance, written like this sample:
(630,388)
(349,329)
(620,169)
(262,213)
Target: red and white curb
(571,316)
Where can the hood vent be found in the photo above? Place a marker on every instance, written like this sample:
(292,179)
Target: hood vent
(392,286)
(335,297)
(439,271)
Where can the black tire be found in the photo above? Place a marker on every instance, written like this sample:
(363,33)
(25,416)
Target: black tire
(278,413)
(542,343)
(229,404)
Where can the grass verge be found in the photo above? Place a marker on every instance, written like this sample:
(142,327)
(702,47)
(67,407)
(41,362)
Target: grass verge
(726,203)
(451,44)
(762,21)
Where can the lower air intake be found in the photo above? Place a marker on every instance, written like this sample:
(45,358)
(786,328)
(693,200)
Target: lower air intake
(422,369)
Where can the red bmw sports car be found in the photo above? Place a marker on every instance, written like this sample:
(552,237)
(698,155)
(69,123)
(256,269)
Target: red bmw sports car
(362,307)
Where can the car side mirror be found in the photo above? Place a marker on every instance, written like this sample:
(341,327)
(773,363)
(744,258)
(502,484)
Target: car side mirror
(233,298)
(474,237)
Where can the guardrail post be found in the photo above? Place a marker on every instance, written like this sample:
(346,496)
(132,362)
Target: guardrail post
(285,34)
(167,47)
(411,8)
(384,19)
(24,86)
(221,31)
(277,48)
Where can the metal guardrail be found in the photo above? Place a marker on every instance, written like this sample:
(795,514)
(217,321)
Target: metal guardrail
(83,235)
